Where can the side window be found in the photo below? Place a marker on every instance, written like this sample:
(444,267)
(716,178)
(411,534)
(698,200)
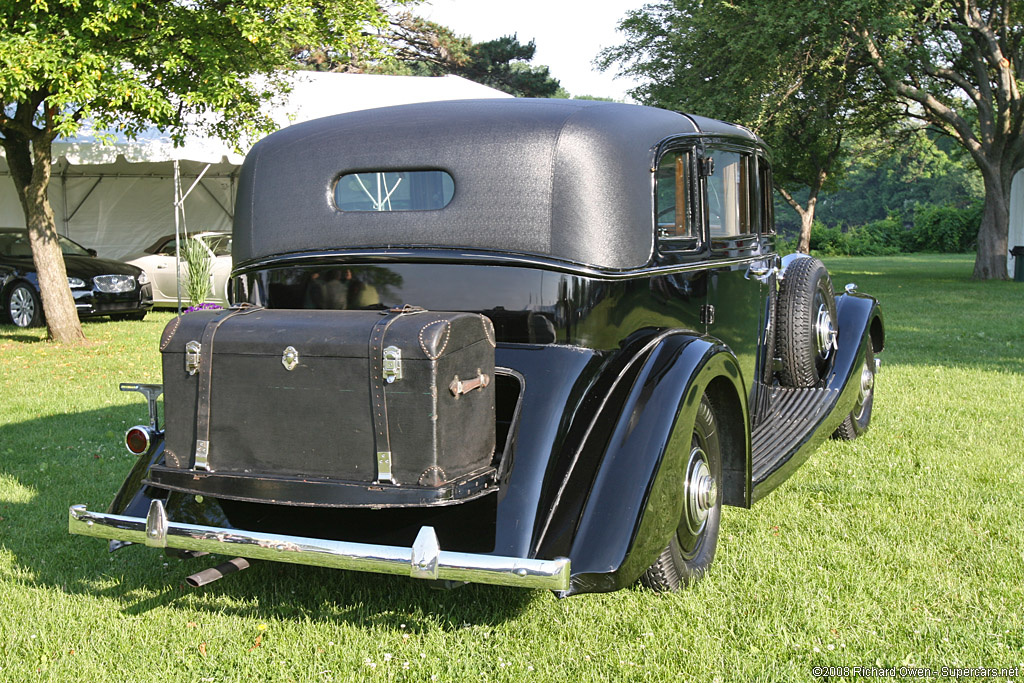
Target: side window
(729,194)
(673,204)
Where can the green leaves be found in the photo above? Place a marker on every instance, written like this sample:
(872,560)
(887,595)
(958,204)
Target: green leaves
(128,64)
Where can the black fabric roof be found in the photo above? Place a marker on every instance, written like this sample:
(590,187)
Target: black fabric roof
(568,179)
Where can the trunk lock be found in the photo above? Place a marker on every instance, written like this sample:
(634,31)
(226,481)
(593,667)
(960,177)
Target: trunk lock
(192,350)
(392,364)
(290,358)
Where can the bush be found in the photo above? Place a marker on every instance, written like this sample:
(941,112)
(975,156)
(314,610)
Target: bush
(945,229)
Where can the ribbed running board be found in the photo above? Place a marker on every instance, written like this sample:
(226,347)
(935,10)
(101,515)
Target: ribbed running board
(793,414)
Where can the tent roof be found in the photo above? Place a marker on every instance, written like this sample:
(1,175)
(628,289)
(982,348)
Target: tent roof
(313,95)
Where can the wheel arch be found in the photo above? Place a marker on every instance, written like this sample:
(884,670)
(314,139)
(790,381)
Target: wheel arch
(635,502)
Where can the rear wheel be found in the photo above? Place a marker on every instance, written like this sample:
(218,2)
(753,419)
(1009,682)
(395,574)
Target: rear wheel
(692,547)
(23,306)
(856,423)
(806,333)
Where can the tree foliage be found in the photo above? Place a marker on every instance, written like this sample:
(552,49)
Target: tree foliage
(955,66)
(880,180)
(419,47)
(755,64)
(126,65)
(958,66)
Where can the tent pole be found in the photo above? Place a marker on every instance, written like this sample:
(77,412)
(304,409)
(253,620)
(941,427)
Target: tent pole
(177,232)
(64,199)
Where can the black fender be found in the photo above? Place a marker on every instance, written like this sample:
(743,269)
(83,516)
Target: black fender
(635,501)
(859,320)
(134,497)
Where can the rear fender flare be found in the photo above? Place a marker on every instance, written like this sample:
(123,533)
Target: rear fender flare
(635,503)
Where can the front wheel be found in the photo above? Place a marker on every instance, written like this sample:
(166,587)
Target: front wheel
(692,547)
(856,423)
(24,307)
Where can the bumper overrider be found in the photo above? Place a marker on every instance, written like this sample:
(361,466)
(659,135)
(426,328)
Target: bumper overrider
(424,560)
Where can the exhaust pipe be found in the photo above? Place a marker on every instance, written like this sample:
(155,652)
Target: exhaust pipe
(213,573)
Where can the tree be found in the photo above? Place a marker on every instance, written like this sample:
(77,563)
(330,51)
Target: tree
(126,65)
(925,169)
(954,65)
(958,66)
(758,65)
(419,47)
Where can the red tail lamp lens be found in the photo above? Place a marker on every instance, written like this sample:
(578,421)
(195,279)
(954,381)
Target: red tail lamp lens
(137,440)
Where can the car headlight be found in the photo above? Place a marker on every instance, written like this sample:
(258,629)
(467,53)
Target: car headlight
(114,284)
(143,278)
(76,282)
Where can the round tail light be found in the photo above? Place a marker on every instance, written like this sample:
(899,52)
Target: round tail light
(137,439)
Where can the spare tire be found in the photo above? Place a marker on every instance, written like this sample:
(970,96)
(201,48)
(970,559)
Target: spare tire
(805,338)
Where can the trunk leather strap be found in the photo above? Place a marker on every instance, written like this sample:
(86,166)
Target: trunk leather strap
(205,381)
(378,397)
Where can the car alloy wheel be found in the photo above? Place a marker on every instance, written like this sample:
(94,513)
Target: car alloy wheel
(23,306)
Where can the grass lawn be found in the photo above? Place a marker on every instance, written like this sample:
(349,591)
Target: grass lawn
(905,547)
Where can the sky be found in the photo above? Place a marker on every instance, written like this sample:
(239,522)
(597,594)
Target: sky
(568,34)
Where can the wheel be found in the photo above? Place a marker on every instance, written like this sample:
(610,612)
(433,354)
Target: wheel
(806,333)
(856,423)
(692,548)
(24,306)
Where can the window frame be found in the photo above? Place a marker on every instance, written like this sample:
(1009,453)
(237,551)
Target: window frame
(694,242)
(445,177)
(748,156)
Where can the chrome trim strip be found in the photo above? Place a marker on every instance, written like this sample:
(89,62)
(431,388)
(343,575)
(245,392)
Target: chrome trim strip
(470,257)
(384,559)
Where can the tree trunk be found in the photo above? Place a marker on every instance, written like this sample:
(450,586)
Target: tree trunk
(30,164)
(806,223)
(990,262)
(806,214)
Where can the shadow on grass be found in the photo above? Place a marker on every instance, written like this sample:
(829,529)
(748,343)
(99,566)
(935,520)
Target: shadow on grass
(10,333)
(48,464)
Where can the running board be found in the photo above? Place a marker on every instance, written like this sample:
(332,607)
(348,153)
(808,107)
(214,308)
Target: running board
(794,415)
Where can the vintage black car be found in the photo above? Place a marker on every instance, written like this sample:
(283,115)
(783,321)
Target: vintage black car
(99,286)
(535,343)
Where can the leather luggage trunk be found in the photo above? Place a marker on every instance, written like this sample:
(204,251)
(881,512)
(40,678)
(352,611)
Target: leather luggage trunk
(329,408)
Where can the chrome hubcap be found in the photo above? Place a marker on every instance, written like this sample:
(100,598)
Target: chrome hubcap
(701,492)
(867,380)
(867,385)
(22,307)
(824,332)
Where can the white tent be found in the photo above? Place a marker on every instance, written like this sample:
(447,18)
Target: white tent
(1016,236)
(119,198)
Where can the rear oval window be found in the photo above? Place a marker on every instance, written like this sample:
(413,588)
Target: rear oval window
(394,191)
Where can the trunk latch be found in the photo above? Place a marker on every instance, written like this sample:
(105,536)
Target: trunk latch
(392,364)
(192,350)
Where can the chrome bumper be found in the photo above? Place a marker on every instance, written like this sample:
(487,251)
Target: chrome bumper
(424,560)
